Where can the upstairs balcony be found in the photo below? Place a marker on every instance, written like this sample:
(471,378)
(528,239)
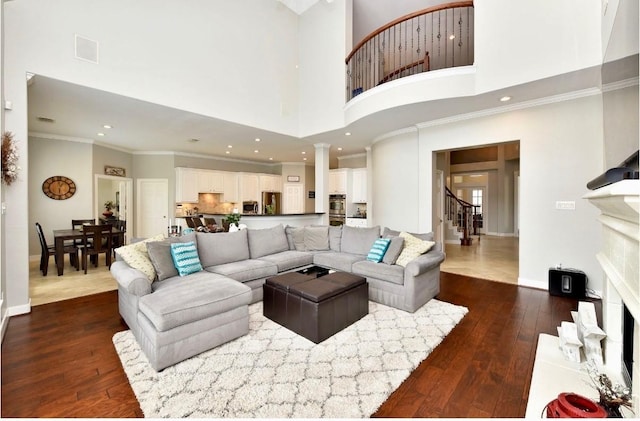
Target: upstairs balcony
(430,39)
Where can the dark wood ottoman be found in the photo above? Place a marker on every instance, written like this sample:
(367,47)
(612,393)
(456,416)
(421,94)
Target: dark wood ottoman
(316,308)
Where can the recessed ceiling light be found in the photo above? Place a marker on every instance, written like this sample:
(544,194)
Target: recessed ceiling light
(339,149)
(304,153)
(100,134)
(304,159)
(227,152)
(257,139)
(256,151)
(505,98)
(107,126)
(270,159)
(229,146)
(347,134)
(452,36)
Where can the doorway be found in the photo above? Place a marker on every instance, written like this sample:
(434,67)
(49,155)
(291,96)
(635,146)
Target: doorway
(152,207)
(119,190)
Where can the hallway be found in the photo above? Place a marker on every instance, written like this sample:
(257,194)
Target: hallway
(493,258)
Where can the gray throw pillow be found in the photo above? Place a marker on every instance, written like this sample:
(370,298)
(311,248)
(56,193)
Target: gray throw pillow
(288,231)
(222,247)
(263,242)
(392,233)
(160,255)
(335,237)
(297,235)
(316,238)
(358,240)
(394,250)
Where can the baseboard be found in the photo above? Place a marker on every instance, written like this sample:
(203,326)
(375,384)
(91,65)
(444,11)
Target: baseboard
(501,234)
(532,284)
(18,310)
(3,323)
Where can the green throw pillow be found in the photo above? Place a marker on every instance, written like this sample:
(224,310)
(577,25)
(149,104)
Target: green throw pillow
(185,258)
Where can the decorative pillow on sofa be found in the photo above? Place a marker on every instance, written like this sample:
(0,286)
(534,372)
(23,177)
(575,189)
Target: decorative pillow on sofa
(428,236)
(358,240)
(378,250)
(316,238)
(222,247)
(160,255)
(185,257)
(263,242)
(413,247)
(136,256)
(335,237)
(393,252)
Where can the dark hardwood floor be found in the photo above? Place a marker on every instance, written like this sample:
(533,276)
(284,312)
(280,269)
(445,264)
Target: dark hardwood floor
(59,361)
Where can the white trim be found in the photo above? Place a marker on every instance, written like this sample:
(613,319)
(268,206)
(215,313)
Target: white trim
(513,107)
(18,310)
(621,84)
(42,135)
(501,234)
(355,155)
(4,322)
(532,284)
(406,130)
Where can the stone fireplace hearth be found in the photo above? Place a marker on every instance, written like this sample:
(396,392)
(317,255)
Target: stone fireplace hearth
(619,258)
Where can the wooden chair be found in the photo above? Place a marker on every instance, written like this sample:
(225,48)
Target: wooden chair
(121,226)
(93,244)
(48,251)
(77,224)
(197,222)
(189,222)
(209,221)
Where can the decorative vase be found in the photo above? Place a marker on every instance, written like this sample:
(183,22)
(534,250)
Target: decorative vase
(233,228)
(107,214)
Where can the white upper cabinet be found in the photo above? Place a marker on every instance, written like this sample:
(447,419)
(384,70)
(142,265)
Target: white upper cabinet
(271,183)
(249,187)
(186,185)
(338,181)
(358,186)
(210,181)
(231,187)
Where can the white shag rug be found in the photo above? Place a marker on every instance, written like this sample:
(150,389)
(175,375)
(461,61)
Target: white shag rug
(274,373)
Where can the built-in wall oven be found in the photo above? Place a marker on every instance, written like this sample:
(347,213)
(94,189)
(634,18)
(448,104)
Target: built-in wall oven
(337,209)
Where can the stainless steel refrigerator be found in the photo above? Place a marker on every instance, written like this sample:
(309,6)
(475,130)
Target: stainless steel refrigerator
(271,203)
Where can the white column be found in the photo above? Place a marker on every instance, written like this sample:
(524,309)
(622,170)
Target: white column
(370,214)
(322,179)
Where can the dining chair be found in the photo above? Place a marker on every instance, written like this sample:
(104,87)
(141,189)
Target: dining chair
(48,251)
(189,222)
(121,226)
(209,221)
(77,224)
(93,244)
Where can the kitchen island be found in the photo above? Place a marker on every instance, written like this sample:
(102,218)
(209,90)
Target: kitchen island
(258,221)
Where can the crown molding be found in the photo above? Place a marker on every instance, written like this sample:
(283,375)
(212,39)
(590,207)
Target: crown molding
(355,155)
(627,83)
(41,135)
(406,130)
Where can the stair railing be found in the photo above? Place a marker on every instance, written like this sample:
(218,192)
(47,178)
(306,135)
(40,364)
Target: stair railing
(434,38)
(464,216)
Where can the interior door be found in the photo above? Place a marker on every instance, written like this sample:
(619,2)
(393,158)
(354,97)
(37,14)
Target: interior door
(152,207)
(293,198)
(438,224)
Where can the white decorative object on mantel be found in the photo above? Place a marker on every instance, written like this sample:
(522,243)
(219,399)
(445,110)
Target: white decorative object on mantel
(569,342)
(589,332)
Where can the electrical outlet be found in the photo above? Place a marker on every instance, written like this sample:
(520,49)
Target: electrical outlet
(566,205)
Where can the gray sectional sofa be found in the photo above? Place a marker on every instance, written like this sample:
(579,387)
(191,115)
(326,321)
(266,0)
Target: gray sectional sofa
(175,317)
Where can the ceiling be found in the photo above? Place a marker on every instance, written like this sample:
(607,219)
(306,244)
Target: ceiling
(79,113)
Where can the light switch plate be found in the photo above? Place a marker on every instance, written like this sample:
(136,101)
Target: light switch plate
(566,205)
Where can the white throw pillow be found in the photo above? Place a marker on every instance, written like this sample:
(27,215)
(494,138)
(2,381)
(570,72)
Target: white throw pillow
(136,256)
(413,247)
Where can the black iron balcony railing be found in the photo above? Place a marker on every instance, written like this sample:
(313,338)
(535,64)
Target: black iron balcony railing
(433,38)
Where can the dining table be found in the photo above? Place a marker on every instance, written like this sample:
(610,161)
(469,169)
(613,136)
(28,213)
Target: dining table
(60,236)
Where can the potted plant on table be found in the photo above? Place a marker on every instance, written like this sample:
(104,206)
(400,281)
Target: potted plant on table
(108,205)
(232,220)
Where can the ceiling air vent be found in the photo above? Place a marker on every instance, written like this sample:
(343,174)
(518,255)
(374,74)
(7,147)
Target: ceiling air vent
(46,120)
(86,49)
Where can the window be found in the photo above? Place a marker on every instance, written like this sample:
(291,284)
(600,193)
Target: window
(476,199)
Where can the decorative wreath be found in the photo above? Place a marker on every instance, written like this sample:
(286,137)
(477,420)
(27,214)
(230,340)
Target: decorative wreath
(9,159)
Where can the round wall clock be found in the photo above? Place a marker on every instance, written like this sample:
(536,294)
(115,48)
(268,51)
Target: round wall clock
(59,187)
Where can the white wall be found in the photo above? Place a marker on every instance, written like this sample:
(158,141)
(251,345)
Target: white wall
(560,151)
(233,60)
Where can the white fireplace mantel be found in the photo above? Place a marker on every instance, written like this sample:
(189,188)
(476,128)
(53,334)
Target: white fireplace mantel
(619,258)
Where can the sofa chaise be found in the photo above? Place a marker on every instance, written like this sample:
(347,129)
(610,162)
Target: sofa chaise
(175,317)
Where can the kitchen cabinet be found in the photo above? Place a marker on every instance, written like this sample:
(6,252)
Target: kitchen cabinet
(186,185)
(357,222)
(338,181)
(231,187)
(272,183)
(210,181)
(358,186)
(249,187)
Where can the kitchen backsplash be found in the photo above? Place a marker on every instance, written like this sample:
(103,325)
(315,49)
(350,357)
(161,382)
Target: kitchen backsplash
(209,203)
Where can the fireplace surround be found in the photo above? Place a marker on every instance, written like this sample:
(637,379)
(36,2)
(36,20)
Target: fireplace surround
(619,259)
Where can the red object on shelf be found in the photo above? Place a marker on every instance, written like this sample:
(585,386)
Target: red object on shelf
(571,405)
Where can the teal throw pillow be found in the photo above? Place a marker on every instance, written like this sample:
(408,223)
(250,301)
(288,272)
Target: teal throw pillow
(185,258)
(378,249)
